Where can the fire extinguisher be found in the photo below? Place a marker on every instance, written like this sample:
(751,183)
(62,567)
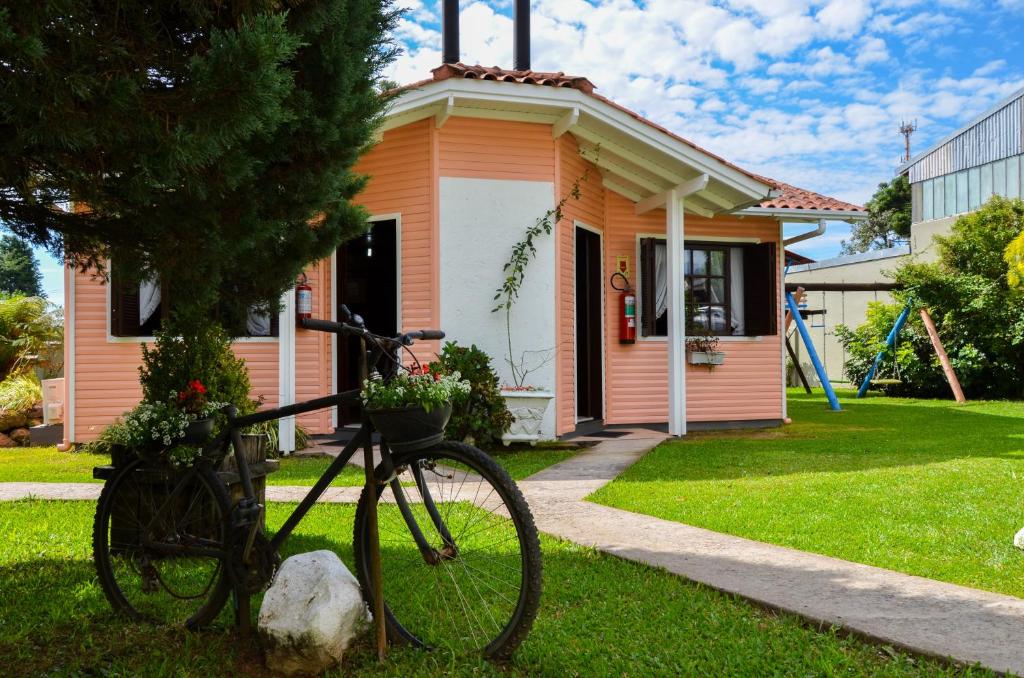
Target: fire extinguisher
(303,300)
(627,309)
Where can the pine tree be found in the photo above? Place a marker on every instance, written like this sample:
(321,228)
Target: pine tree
(19,268)
(211,142)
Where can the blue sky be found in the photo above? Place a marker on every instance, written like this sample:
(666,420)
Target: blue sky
(807,91)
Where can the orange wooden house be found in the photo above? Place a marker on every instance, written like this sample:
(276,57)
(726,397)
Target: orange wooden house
(465,162)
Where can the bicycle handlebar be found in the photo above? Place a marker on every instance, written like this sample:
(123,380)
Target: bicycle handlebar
(344,328)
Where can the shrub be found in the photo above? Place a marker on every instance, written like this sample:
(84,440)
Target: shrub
(912,363)
(980,319)
(20,393)
(31,331)
(185,352)
(482,417)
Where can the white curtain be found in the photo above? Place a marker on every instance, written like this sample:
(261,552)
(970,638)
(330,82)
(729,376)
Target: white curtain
(149,299)
(257,323)
(660,279)
(736,290)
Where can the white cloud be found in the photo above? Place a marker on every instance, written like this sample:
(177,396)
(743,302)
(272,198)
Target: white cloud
(872,50)
(844,17)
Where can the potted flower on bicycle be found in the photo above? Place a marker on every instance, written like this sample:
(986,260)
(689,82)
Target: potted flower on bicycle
(412,408)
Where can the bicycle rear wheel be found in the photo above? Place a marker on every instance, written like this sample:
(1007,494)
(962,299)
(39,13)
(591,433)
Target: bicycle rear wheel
(478,586)
(160,545)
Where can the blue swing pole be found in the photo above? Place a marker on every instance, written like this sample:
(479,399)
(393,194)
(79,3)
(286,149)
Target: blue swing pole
(890,341)
(794,311)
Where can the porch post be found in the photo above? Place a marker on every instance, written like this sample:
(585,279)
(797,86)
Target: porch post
(286,370)
(676,315)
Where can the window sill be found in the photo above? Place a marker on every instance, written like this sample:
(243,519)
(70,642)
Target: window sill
(722,339)
(111,339)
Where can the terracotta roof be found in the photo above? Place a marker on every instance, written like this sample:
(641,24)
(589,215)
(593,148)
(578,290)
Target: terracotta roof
(790,197)
(794,198)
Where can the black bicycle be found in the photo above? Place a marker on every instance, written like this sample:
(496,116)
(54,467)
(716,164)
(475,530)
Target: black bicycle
(457,564)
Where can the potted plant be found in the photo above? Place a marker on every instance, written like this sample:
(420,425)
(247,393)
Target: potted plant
(412,409)
(527,402)
(702,349)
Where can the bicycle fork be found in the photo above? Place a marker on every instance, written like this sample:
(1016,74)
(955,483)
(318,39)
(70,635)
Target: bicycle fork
(431,555)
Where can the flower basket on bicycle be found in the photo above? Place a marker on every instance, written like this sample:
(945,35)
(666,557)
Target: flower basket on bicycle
(410,428)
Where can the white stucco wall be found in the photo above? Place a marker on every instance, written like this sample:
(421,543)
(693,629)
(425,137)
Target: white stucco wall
(481,219)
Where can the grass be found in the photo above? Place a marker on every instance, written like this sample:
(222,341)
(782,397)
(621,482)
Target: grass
(46,464)
(924,487)
(600,616)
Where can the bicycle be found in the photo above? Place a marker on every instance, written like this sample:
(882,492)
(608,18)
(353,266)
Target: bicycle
(444,531)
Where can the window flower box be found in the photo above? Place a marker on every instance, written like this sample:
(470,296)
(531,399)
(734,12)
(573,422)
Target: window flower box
(706,357)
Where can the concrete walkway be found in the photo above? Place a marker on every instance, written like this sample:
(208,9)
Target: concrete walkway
(921,615)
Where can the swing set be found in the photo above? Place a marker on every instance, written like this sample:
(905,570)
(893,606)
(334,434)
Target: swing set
(795,299)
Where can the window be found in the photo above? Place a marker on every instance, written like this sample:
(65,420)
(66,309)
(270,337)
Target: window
(730,289)
(140,310)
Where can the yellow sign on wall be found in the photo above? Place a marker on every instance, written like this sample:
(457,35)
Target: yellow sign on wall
(622,264)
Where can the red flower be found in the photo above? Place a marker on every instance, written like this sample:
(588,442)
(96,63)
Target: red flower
(197,386)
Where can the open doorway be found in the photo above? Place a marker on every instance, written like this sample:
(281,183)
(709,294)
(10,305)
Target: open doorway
(367,282)
(589,334)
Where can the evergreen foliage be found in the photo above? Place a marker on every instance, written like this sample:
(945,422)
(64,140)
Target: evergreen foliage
(980,318)
(210,142)
(482,417)
(19,268)
(888,222)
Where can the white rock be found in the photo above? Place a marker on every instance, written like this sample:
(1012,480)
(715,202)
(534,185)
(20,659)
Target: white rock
(1018,539)
(310,614)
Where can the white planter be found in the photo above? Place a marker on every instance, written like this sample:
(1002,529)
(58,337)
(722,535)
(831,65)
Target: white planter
(706,357)
(527,408)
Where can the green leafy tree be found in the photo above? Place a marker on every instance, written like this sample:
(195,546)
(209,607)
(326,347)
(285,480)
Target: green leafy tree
(888,222)
(19,268)
(209,142)
(980,318)
(31,334)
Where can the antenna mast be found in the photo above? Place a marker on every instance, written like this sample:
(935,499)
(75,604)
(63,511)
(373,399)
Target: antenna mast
(906,129)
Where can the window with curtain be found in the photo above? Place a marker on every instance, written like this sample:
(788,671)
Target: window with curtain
(140,309)
(729,289)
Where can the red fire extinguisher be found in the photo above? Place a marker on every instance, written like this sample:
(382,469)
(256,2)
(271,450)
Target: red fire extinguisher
(303,300)
(627,309)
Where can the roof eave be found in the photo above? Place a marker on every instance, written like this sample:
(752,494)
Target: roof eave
(792,214)
(418,103)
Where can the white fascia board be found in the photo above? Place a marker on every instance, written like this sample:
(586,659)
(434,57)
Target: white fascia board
(563,100)
(795,215)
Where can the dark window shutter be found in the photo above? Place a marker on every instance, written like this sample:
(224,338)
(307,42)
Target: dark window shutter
(760,290)
(648,321)
(124,307)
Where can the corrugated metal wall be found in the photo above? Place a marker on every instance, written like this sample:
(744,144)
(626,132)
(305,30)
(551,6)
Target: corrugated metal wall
(998,136)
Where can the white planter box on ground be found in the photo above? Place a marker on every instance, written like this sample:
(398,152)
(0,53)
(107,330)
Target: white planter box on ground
(527,408)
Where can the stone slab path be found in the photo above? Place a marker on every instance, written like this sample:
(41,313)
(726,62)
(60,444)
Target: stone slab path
(921,615)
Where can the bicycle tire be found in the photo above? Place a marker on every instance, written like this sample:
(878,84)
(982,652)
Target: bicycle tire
(130,572)
(429,634)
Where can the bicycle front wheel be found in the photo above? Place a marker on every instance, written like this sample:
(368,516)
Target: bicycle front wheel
(473,582)
(160,545)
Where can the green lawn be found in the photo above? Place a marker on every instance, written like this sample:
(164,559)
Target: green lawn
(600,616)
(925,487)
(46,464)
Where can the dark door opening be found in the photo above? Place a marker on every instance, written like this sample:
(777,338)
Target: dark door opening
(367,282)
(589,363)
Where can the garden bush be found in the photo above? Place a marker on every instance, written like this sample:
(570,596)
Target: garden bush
(979,317)
(913,364)
(482,417)
(184,352)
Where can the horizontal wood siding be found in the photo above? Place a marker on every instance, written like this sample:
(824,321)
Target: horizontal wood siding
(313,352)
(106,379)
(496,149)
(747,387)
(402,170)
(589,210)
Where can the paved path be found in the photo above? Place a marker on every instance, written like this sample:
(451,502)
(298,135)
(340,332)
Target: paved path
(922,615)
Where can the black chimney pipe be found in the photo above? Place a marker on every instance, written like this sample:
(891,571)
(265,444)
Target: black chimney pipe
(521,51)
(450,32)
